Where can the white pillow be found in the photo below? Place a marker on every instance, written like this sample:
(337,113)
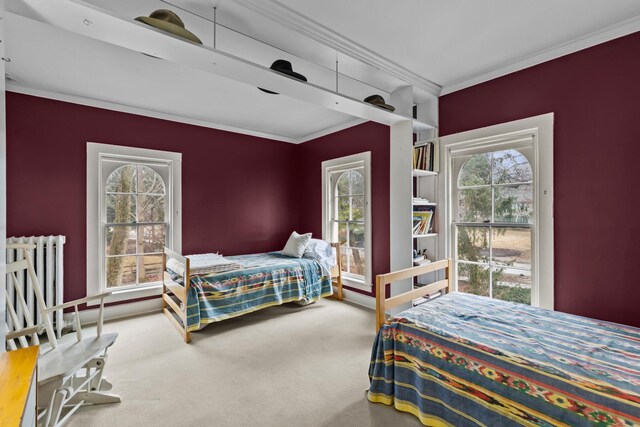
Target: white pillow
(296,245)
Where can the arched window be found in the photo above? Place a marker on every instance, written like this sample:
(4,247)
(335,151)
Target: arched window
(135,225)
(494,217)
(346,215)
(349,218)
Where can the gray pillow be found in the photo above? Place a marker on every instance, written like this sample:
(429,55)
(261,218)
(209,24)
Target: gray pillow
(296,245)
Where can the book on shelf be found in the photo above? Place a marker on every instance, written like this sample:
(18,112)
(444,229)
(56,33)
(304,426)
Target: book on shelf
(422,261)
(426,156)
(423,219)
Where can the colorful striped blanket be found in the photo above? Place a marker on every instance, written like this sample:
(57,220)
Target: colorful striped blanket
(464,360)
(266,280)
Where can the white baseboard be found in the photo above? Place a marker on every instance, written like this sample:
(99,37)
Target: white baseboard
(359,299)
(119,311)
(90,316)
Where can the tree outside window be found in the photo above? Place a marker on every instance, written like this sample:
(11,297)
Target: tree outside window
(495,214)
(135,226)
(349,217)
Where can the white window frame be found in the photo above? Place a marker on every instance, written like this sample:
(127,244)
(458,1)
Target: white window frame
(345,163)
(96,154)
(541,129)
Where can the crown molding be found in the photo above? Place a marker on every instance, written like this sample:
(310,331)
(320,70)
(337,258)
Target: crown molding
(288,17)
(331,129)
(106,105)
(621,29)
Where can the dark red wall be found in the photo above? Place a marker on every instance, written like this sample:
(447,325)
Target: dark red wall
(365,137)
(239,193)
(595,95)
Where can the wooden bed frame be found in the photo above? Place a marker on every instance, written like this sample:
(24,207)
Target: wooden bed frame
(174,294)
(382,280)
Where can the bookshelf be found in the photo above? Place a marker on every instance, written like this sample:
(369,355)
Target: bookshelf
(425,172)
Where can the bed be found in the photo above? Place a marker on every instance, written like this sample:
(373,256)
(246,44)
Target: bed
(464,360)
(191,301)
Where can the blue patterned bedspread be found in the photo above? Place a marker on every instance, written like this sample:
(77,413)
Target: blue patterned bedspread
(464,360)
(266,280)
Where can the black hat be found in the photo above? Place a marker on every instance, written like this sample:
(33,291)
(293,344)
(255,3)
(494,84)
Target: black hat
(378,101)
(284,67)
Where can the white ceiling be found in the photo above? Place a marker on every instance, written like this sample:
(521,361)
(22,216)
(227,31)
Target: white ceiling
(50,61)
(450,42)
(380,46)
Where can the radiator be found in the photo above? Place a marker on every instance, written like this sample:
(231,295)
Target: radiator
(48,261)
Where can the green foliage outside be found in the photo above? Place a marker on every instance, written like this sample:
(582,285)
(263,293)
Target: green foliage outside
(476,207)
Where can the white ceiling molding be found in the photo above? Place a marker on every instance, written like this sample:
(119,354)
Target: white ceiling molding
(610,33)
(331,129)
(106,105)
(278,12)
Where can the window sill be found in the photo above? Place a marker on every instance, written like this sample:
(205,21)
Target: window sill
(151,290)
(357,284)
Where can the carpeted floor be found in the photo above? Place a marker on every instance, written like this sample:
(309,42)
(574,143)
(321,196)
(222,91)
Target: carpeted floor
(282,366)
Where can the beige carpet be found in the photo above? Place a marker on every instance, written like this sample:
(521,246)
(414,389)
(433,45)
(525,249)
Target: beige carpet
(282,366)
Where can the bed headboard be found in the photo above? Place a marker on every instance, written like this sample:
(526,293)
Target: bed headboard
(382,280)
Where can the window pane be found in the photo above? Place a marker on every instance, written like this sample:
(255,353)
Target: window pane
(473,279)
(514,204)
(152,238)
(149,181)
(121,208)
(476,171)
(357,183)
(510,166)
(356,235)
(150,208)
(121,271)
(150,268)
(512,247)
(357,261)
(473,244)
(342,187)
(122,180)
(344,257)
(474,205)
(343,208)
(510,284)
(120,240)
(342,232)
(357,208)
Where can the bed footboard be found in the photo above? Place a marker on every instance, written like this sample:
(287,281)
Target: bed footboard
(382,280)
(174,294)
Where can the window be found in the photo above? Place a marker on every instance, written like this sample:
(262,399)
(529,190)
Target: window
(499,215)
(133,204)
(495,205)
(135,223)
(346,215)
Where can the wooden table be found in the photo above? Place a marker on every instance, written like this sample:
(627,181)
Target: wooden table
(18,379)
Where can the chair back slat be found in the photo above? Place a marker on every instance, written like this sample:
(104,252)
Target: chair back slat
(20,319)
(15,321)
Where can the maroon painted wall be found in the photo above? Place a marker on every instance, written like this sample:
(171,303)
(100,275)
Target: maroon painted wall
(595,95)
(365,137)
(238,192)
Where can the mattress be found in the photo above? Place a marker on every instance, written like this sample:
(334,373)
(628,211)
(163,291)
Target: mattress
(264,280)
(466,360)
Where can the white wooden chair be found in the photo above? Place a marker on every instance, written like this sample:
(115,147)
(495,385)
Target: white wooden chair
(70,371)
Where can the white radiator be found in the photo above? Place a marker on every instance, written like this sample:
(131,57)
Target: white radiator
(48,261)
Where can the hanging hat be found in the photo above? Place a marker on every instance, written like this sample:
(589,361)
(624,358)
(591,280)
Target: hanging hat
(378,101)
(284,67)
(168,21)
